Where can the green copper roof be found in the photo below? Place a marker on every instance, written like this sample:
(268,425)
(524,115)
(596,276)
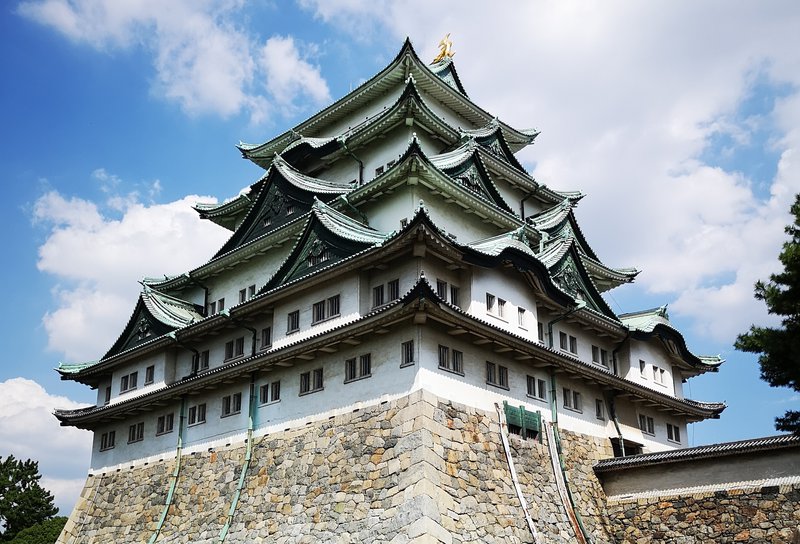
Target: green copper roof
(307,183)
(646,320)
(497,244)
(345,227)
(73,368)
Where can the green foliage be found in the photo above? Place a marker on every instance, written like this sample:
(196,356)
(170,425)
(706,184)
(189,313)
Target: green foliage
(779,348)
(44,532)
(23,502)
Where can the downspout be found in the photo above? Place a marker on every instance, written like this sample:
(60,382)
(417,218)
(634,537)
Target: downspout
(175,474)
(247,457)
(556,435)
(612,405)
(360,163)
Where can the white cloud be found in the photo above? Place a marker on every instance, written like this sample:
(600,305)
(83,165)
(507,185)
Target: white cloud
(290,77)
(203,60)
(27,422)
(99,259)
(628,98)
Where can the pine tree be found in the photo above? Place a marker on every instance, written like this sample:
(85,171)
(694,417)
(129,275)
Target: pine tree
(779,348)
(23,502)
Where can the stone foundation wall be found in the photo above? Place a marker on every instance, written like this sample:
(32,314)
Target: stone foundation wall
(769,514)
(416,470)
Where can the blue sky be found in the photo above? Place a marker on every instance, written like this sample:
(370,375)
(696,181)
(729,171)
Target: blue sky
(678,121)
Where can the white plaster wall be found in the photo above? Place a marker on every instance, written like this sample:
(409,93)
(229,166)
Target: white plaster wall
(445,113)
(163,364)
(514,290)
(628,415)
(256,271)
(652,353)
(376,106)
(457,220)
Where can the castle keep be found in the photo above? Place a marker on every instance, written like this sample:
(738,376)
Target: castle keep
(403,340)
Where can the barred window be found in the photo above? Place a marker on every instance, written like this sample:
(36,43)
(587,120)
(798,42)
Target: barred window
(407,353)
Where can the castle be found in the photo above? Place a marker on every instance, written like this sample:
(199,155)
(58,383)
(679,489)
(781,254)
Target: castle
(403,340)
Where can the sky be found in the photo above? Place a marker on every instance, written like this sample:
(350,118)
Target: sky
(680,121)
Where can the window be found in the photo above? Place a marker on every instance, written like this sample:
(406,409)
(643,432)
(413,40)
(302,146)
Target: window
(673,433)
(108,395)
(537,388)
(107,440)
(562,341)
(212,308)
(441,289)
(377,296)
(599,409)
(642,369)
(270,392)
(200,361)
(293,321)
(567,342)
(149,374)
(540,331)
(290,208)
(136,432)
(646,424)
(394,289)
(572,400)
(501,308)
(242,295)
(234,348)
(251,291)
(491,303)
(220,305)
(311,382)
(325,309)
(455,296)
(458,362)
(231,404)
(266,338)
(355,369)
(496,375)
(444,357)
(164,424)
(379,171)
(197,414)
(390,163)
(573,344)
(128,382)
(599,356)
(659,375)
(452,361)
(407,353)
(521,318)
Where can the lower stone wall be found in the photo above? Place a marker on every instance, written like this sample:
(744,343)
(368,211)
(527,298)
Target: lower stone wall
(416,470)
(770,514)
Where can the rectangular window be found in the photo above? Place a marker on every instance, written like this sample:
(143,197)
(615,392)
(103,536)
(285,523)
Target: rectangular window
(655,373)
(293,321)
(521,321)
(220,305)
(325,309)
(646,424)
(311,382)
(573,345)
(599,409)
(441,289)
(642,369)
(107,440)
(537,388)
(501,308)
(108,395)
(540,331)
(377,296)
(136,432)
(333,306)
(251,291)
(212,308)
(128,382)
(496,375)
(355,369)
(455,296)
(444,357)
(379,171)
(458,362)
(231,404)
(270,392)
(365,365)
(491,303)
(229,350)
(407,353)
(266,338)
(572,400)
(242,295)
(201,360)
(350,369)
(197,414)
(673,433)
(318,311)
(164,424)
(599,356)
(563,341)
(149,374)
(394,289)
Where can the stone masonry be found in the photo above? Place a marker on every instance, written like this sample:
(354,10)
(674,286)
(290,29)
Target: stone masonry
(415,470)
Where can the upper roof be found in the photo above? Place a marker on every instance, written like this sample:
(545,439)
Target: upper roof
(406,63)
(654,323)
